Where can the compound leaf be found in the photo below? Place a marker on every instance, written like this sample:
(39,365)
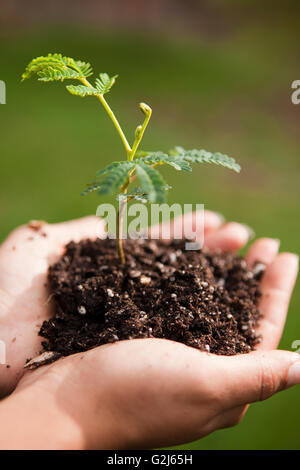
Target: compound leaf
(57,67)
(82,90)
(152,183)
(159,158)
(104,83)
(202,156)
(111,167)
(90,189)
(115,177)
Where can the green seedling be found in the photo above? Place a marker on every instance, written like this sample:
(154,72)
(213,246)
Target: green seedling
(116,177)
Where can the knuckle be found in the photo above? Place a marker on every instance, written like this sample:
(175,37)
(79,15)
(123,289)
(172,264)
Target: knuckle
(267,382)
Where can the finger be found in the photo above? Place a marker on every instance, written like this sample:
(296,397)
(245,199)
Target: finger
(37,244)
(230,237)
(212,221)
(85,227)
(276,285)
(78,229)
(252,377)
(187,224)
(263,251)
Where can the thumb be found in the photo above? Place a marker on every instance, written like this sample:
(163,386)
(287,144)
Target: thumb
(255,376)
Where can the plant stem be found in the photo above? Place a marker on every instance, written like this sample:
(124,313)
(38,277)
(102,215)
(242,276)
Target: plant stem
(120,219)
(112,117)
(130,155)
(116,123)
(120,216)
(140,130)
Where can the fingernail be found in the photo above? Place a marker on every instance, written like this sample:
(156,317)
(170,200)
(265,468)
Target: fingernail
(277,240)
(296,258)
(293,260)
(250,231)
(294,374)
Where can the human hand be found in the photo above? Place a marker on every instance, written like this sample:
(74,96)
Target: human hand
(145,393)
(24,297)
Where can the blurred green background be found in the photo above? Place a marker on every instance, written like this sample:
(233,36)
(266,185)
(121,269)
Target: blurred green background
(218,77)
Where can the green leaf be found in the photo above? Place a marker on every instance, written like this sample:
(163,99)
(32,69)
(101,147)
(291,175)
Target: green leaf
(111,166)
(90,189)
(114,178)
(104,83)
(152,183)
(143,153)
(116,174)
(177,151)
(53,73)
(159,158)
(57,67)
(202,156)
(82,90)
(136,194)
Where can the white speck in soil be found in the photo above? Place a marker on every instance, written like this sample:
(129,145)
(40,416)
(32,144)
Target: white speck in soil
(81,310)
(172,257)
(110,293)
(145,280)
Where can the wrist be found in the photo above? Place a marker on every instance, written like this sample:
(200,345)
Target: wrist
(34,420)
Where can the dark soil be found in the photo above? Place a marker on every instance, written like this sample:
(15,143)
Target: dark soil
(202,299)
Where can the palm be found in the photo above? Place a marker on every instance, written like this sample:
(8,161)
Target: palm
(24,295)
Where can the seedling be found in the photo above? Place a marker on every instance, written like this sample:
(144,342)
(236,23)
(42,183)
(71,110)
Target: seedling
(116,177)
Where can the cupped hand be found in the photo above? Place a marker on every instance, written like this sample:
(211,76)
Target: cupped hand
(142,393)
(24,296)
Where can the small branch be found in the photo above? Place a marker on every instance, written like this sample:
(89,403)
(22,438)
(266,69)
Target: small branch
(112,117)
(116,123)
(140,129)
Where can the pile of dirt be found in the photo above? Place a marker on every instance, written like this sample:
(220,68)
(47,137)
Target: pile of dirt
(207,300)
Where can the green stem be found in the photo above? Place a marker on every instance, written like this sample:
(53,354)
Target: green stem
(112,117)
(130,155)
(120,218)
(140,129)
